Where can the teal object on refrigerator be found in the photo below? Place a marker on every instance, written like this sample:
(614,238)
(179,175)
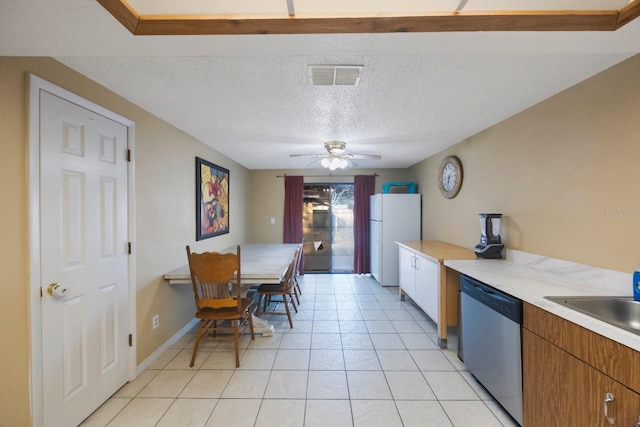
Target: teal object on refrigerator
(411,186)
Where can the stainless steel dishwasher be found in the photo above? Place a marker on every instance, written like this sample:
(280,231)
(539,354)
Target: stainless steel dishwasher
(492,341)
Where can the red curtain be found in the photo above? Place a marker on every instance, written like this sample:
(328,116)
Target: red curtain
(293,204)
(364,187)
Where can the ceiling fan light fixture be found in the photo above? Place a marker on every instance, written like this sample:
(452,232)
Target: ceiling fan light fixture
(333,163)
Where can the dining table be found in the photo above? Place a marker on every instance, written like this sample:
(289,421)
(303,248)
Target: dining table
(260,263)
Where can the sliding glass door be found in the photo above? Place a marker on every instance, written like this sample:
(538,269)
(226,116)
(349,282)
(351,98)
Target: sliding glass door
(328,228)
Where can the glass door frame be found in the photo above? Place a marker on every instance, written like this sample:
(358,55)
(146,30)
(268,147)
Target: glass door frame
(331,228)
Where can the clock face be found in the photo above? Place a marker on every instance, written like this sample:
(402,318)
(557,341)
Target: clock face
(450,176)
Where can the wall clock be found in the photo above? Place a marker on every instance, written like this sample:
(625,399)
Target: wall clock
(450,176)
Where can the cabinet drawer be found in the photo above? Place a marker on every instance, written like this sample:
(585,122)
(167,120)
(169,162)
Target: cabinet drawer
(612,358)
(561,390)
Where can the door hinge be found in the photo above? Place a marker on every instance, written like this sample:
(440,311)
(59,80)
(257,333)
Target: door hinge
(129,248)
(130,340)
(128,155)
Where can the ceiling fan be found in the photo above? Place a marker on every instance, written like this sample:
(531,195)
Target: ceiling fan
(336,156)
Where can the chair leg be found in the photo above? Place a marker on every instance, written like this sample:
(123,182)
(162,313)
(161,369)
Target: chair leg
(236,340)
(293,301)
(197,344)
(286,306)
(250,320)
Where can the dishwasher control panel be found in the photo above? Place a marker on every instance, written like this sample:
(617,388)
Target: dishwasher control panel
(504,304)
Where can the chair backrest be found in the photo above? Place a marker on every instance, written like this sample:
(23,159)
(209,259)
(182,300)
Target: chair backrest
(288,282)
(296,271)
(215,278)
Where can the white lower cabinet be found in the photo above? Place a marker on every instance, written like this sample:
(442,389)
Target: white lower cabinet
(419,279)
(407,278)
(427,287)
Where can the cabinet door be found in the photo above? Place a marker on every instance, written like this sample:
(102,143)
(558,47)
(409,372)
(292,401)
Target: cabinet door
(407,272)
(427,287)
(562,390)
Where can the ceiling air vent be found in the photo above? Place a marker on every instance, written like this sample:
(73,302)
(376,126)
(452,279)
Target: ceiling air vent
(335,75)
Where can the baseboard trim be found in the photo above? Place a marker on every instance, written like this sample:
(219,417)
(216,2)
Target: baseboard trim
(164,347)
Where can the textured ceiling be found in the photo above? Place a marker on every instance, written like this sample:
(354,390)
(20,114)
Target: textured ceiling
(250,97)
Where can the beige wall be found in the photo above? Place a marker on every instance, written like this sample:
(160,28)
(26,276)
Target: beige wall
(267,196)
(165,206)
(165,173)
(564,173)
(14,320)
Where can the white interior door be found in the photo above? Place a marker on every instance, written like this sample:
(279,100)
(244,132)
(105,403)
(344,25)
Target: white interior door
(83,247)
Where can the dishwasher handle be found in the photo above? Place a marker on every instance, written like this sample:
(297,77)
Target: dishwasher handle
(492,294)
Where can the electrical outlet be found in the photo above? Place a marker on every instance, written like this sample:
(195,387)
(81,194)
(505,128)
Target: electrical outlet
(156,321)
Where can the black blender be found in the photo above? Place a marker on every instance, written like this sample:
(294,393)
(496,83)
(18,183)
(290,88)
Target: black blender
(490,245)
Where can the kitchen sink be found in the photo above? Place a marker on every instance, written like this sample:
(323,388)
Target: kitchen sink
(622,312)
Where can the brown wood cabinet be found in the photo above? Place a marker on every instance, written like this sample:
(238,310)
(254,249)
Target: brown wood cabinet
(561,388)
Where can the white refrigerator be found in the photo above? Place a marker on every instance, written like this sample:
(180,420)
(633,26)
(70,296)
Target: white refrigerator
(393,217)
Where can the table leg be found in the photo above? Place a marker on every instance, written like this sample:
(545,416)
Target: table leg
(260,325)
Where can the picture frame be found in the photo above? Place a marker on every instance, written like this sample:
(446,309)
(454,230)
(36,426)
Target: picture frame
(212,199)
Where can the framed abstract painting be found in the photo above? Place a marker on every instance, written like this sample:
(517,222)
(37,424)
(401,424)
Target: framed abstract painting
(212,199)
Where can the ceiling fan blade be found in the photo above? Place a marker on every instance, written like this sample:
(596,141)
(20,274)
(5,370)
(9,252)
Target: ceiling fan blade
(336,151)
(365,156)
(308,155)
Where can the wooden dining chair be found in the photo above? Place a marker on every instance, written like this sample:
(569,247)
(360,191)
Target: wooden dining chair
(296,273)
(285,290)
(216,287)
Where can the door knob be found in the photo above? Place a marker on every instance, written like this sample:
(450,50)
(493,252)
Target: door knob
(56,290)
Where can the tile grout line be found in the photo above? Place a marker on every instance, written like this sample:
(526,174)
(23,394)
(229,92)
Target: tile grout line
(384,299)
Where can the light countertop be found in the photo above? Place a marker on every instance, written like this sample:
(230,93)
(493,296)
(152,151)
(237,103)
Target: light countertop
(436,250)
(532,277)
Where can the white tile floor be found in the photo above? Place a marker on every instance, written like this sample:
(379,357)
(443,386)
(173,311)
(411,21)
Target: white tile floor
(356,356)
